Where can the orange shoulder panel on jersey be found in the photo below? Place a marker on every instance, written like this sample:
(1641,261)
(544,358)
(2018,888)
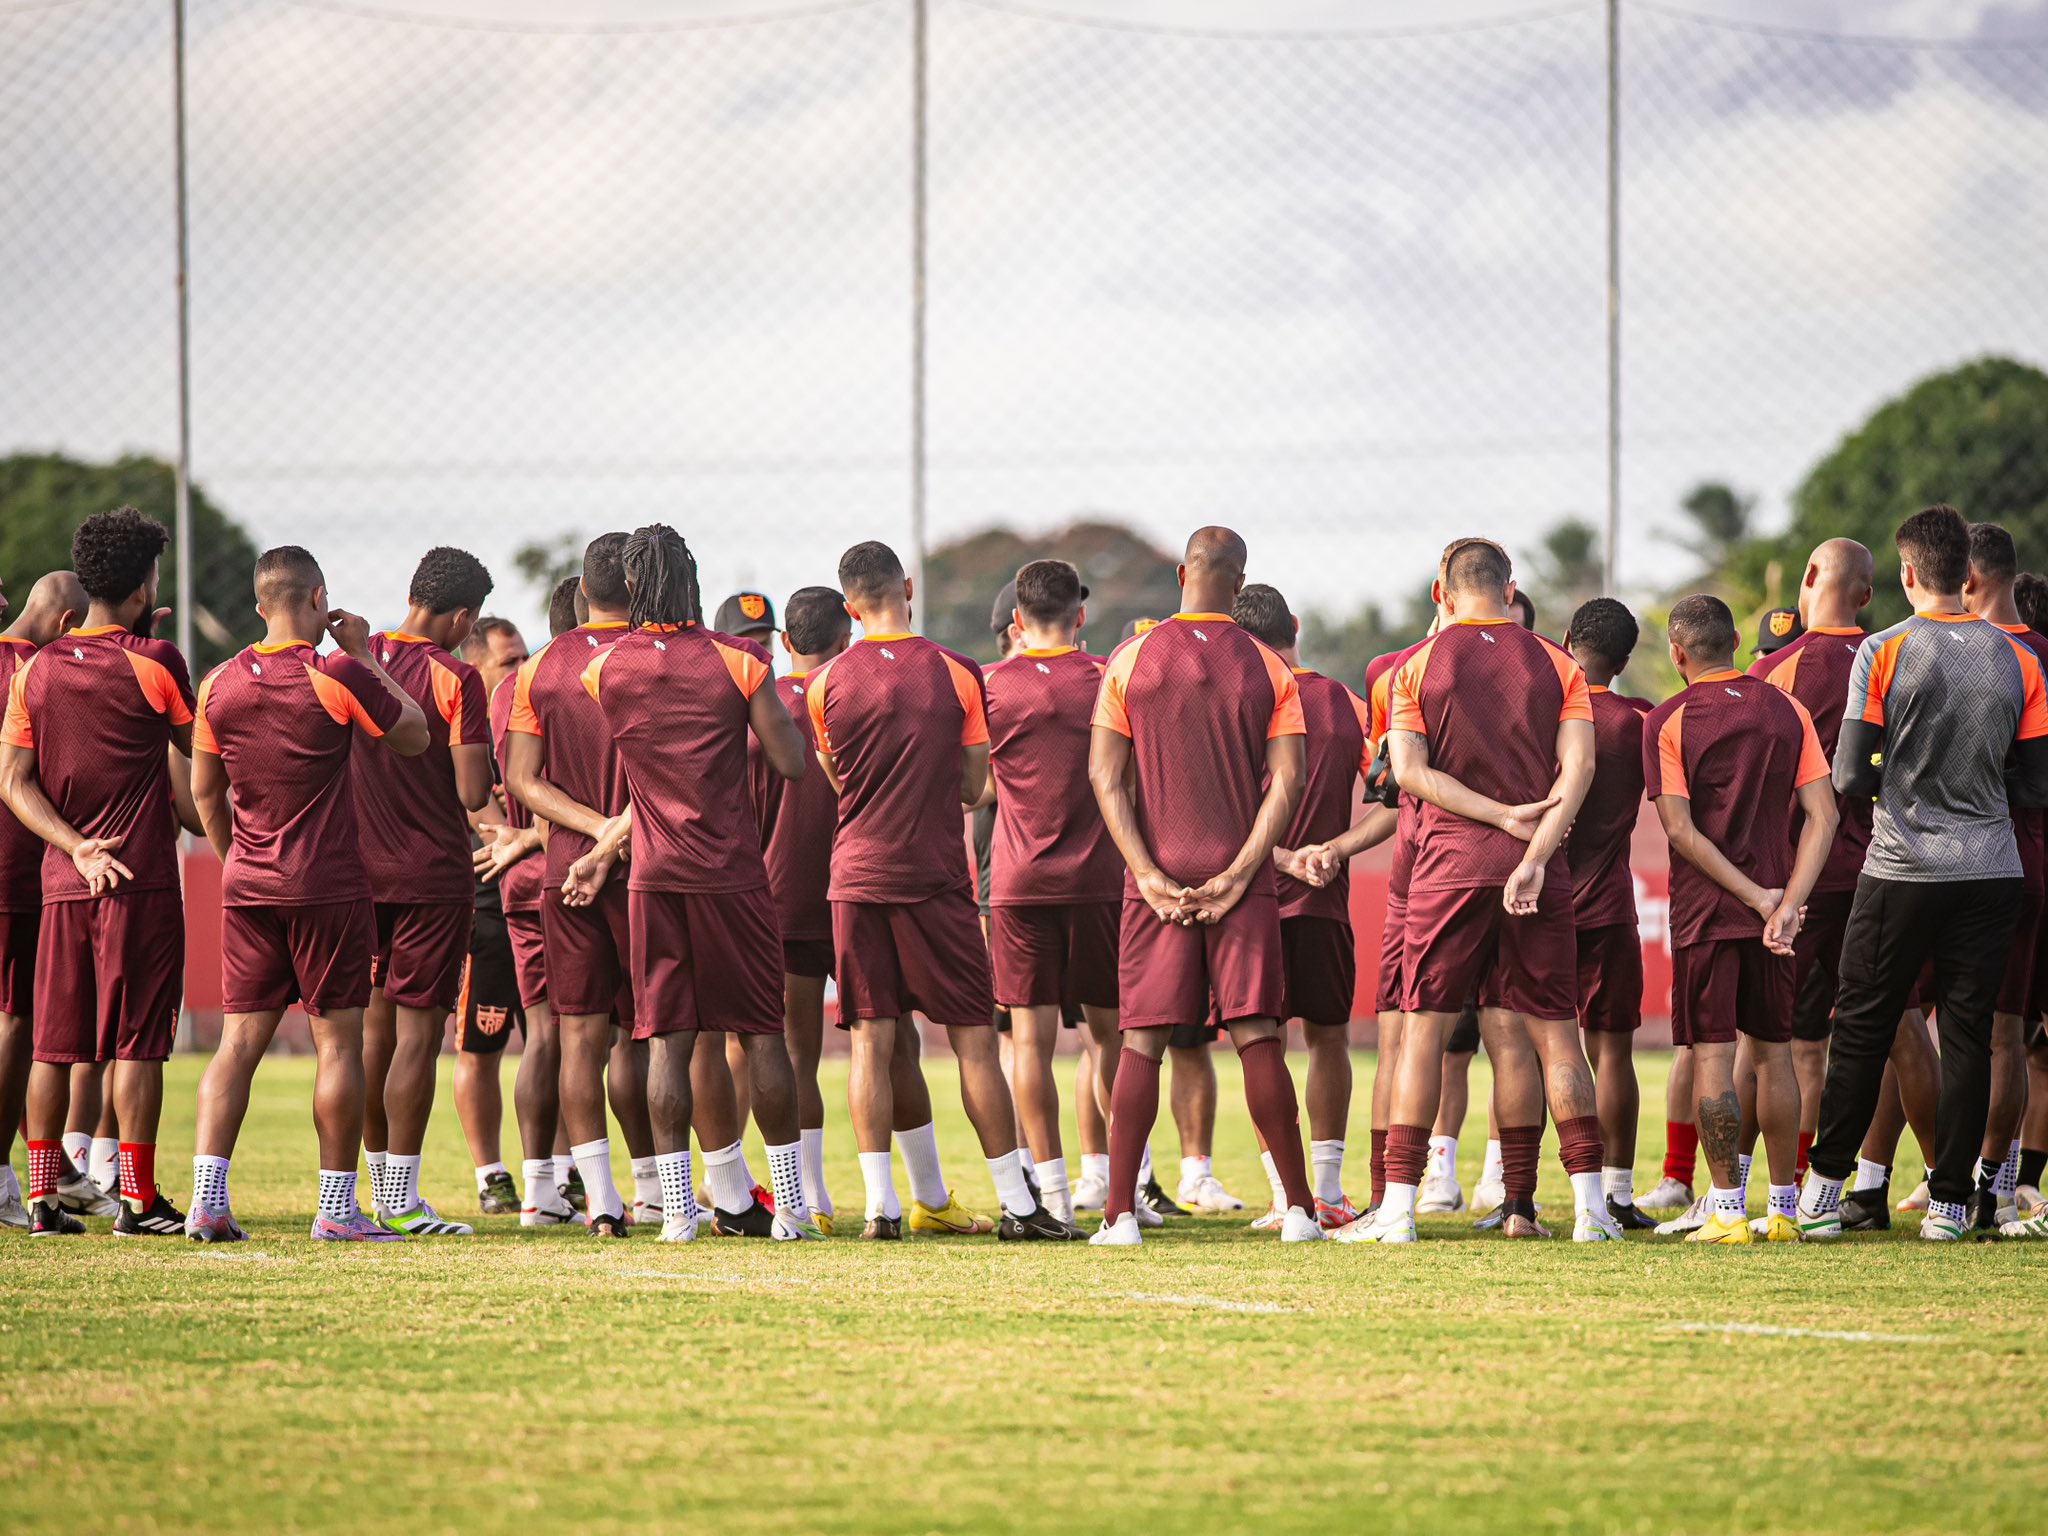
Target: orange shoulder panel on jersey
(967,687)
(16,730)
(158,686)
(1813,762)
(591,674)
(1112,698)
(340,702)
(1404,692)
(1884,663)
(1287,718)
(1784,672)
(814,703)
(1578,698)
(2034,705)
(447,698)
(1671,758)
(524,719)
(748,671)
(202,732)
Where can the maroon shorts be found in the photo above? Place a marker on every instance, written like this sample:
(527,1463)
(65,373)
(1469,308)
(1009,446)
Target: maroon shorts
(923,956)
(807,957)
(1047,955)
(706,960)
(1321,964)
(2016,990)
(529,957)
(1817,957)
(1722,987)
(421,947)
(272,957)
(1464,946)
(109,973)
(1611,978)
(1169,975)
(1393,947)
(590,954)
(18,933)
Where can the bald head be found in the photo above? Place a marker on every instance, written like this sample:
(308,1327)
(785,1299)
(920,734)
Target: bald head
(1216,551)
(1837,586)
(54,604)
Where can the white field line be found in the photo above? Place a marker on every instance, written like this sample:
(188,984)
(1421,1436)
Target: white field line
(1203,1303)
(1765,1331)
(746,1282)
(235,1256)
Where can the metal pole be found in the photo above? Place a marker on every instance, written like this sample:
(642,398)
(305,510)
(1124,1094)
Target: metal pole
(182,519)
(1611,545)
(917,241)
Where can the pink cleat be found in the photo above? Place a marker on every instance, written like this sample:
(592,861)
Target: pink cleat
(358,1228)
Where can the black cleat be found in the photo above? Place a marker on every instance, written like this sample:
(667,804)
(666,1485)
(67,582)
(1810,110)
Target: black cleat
(49,1219)
(755,1221)
(1980,1211)
(604,1224)
(573,1191)
(499,1196)
(1629,1218)
(1041,1226)
(1867,1210)
(883,1229)
(1156,1200)
(162,1219)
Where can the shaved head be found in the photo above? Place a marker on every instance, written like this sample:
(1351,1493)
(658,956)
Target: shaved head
(1217,553)
(59,598)
(1837,585)
(286,577)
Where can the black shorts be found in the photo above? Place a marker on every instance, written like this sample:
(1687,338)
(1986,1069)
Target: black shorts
(1465,1033)
(1070,1017)
(1192,1037)
(489,1007)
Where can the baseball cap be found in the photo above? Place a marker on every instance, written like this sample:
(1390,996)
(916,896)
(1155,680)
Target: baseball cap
(1006,605)
(1777,629)
(1138,626)
(744,612)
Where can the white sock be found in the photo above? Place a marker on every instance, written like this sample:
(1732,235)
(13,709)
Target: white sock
(1870,1175)
(1193,1168)
(78,1147)
(786,1179)
(1326,1165)
(402,1180)
(1820,1197)
(1443,1156)
(210,1183)
(483,1174)
(1784,1200)
(1398,1201)
(1742,1162)
(921,1161)
(1054,1190)
(565,1164)
(105,1160)
(1586,1195)
(1619,1185)
(1145,1169)
(1024,1157)
(646,1183)
(1273,1178)
(376,1160)
(881,1185)
(2007,1185)
(337,1192)
(1095,1165)
(1011,1190)
(678,1195)
(594,1162)
(731,1190)
(1728,1204)
(813,1144)
(538,1176)
(1952,1209)
(1493,1170)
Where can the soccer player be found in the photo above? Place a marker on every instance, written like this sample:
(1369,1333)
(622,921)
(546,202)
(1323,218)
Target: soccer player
(1320,958)
(85,765)
(1056,885)
(1723,762)
(1491,727)
(902,733)
(414,817)
(680,701)
(54,605)
(1197,761)
(1936,704)
(272,776)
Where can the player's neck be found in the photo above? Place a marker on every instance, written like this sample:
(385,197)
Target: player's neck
(1598,673)
(1051,638)
(885,619)
(1198,597)
(806,664)
(1825,610)
(1719,666)
(281,634)
(437,627)
(99,615)
(1291,654)
(607,616)
(1997,606)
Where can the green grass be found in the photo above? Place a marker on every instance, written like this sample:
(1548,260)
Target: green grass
(541,1381)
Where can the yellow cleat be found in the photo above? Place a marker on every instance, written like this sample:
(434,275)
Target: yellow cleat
(822,1220)
(952,1219)
(1719,1231)
(1781,1229)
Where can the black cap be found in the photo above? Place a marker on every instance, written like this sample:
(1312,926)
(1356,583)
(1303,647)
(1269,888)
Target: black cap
(1000,616)
(743,613)
(1138,626)
(1777,629)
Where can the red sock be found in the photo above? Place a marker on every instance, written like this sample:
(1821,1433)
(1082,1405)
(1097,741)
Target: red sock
(1520,1148)
(46,1166)
(1805,1146)
(1578,1144)
(1681,1148)
(138,1173)
(1269,1095)
(1133,1106)
(1407,1153)
(1379,1166)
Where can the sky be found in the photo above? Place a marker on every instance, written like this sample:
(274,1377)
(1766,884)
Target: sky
(485,271)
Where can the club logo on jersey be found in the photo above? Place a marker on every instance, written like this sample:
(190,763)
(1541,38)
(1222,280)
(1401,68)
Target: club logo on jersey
(78,652)
(1732,693)
(753,605)
(593,641)
(1045,669)
(255,669)
(1201,637)
(1487,638)
(661,646)
(1781,624)
(889,654)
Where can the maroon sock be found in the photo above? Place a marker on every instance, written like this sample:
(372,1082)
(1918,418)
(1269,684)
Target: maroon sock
(1379,1166)
(1578,1144)
(1133,1106)
(1407,1153)
(1269,1095)
(1520,1146)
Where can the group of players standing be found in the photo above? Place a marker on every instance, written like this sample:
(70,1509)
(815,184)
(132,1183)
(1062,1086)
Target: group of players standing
(1167,858)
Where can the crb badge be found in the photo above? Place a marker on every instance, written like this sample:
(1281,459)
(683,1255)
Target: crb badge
(753,605)
(1781,624)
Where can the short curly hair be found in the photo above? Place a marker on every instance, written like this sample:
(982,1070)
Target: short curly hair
(447,579)
(112,552)
(1605,627)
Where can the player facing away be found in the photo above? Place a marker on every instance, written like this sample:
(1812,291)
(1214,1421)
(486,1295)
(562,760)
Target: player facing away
(1055,882)
(1724,762)
(902,734)
(1197,761)
(1319,957)
(1601,638)
(680,701)
(54,604)
(1936,706)
(1491,727)
(414,817)
(85,765)
(273,778)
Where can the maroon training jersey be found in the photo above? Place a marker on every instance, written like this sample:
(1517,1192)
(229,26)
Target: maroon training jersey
(21,851)
(416,839)
(1489,696)
(576,751)
(520,887)
(1379,680)
(1199,699)
(1739,751)
(1815,670)
(1603,890)
(797,820)
(675,699)
(97,707)
(1050,846)
(894,712)
(1339,753)
(283,719)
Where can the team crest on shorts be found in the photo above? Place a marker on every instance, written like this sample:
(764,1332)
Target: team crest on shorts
(492,1021)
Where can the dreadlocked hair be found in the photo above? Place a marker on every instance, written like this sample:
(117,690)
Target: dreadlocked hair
(662,575)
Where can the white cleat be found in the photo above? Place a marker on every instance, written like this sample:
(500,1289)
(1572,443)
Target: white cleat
(1121,1233)
(2010,1211)
(1596,1226)
(1669,1195)
(679,1228)
(1208,1196)
(1379,1227)
(645,1213)
(787,1229)
(1489,1196)
(81,1197)
(1760,1226)
(557,1212)
(1274,1219)
(1441,1195)
(1916,1201)
(1939,1229)
(1300,1227)
(1091,1192)
(13,1213)
(1690,1220)
(1145,1216)
(2029,1201)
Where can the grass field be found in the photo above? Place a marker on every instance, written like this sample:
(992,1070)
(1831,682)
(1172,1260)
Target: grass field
(1212,1380)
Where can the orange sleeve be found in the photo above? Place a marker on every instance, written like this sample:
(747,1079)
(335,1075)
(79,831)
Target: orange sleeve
(1785,672)
(814,705)
(2034,706)
(337,698)
(1112,701)
(1883,664)
(591,674)
(1404,694)
(1670,776)
(524,720)
(1578,698)
(748,671)
(967,687)
(1364,712)
(1813,762)
(1376,706)
(202,732)
(1287,719)
(447,695)
(159,687)
(16,731)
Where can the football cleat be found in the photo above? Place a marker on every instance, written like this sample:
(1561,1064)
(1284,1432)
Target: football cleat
(13,1211)
(1818,1226)
(952,1218)
(1669,1195)
(1272,1221)
(605,1224)
(558,1213)
(1691,1219)
(1041,1226)
(1147,1217)
(424,1221)
(1916,1201)
(763,1196)
(499,1196)
(1778,1228)
(883,1229)
(161,1219)
(1121,1233)
(1596,1226)
(1300,1227)
(785,1228)
(573,1191)
(2025,1227)
(78,1195)
(1941,1229)
(1980,1211)
(1091,1192)
(822,1220)
(755,1221)
(47,1218)
(1867,1210)
(1329,1217)
(359,1228)
(678,1228)
(1380,1227)
(1154,1198)
(1439,1194)
(204,1226)
(1488,1196)
(1520,1224)
(2027,1198)
(1630,1218)
(1207,1195)
(645,1213)
(1720,1229)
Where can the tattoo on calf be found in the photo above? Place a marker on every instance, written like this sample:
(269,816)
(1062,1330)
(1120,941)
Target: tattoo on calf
(1720,1121)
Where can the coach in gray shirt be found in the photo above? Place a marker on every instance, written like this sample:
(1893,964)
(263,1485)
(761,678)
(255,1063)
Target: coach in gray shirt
(1938,708)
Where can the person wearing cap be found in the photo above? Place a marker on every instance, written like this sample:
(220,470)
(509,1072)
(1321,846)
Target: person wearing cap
(1778,629)
(749,615)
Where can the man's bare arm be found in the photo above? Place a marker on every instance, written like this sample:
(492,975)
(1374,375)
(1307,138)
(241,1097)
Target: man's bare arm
(1567,793)
(1409,753)
(523,781)
(1109,764)
(23,793)
(1816,838)
(1286,773)
(210,799)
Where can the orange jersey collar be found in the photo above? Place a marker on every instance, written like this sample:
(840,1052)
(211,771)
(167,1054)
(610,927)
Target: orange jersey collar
(1828,629)
(1950,618)
(1052,650)
(98,630)
(1722,676)
(1206,618)
(262,649)
(878,639)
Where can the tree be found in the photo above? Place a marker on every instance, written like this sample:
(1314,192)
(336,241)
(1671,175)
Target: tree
(1566,571)
(45,496)
(544,565)
(1127,577)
